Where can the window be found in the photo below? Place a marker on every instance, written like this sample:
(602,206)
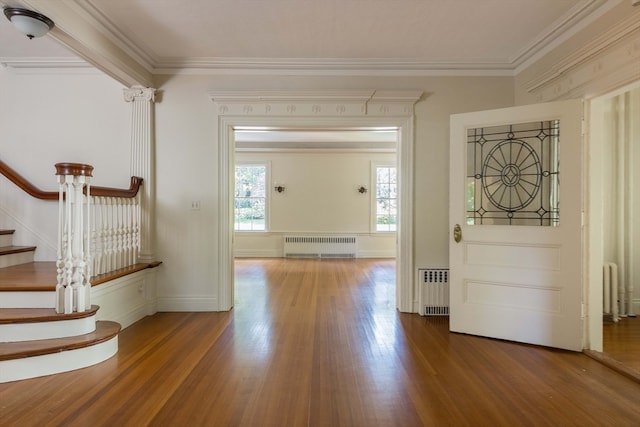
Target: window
(250,197)
(386,198)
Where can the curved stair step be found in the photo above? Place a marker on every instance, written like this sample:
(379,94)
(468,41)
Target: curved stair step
(30,359)
(29,324)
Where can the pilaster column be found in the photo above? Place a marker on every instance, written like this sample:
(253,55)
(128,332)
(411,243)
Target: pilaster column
(143,163)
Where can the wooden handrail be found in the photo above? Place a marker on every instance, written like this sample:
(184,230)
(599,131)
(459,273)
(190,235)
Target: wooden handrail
(25,185)
(129,193)
(33,191)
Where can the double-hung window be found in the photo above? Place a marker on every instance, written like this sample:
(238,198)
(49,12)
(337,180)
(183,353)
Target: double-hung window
(386,208)
(250,202)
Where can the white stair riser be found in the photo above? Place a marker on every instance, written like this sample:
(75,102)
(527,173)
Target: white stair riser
(6,240)
(54,363)
(16,259)
(28,300)
(14,332)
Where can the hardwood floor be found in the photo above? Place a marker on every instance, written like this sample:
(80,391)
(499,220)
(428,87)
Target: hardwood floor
(621,341)
(319,343)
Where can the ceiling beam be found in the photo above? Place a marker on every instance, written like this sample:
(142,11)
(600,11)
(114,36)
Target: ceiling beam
(88,38)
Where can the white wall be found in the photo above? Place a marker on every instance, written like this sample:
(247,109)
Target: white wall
(57,116)
(321,197)
(64,116)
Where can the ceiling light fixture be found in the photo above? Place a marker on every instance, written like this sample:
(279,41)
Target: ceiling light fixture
(30,23)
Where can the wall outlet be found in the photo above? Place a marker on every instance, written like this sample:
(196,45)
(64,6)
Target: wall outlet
(195,205)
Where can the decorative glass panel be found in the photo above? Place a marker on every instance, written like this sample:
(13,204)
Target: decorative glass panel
(513,174)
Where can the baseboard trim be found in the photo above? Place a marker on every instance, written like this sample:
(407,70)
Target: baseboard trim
(193,303)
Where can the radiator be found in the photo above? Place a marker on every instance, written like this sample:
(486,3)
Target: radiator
(610,305)
(616,297)
(321,246)
(434,291)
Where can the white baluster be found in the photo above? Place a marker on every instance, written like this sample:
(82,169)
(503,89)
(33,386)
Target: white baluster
(72,289)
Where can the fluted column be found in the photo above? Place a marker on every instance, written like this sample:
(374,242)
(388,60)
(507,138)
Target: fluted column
(143,163)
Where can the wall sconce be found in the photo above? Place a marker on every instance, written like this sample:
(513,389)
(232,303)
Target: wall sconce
(30,23)
(362,189)
(279,188)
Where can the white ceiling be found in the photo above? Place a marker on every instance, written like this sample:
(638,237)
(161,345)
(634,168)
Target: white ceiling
(319,37)
(344,36)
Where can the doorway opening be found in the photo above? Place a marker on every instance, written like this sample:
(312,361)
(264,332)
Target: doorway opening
(361,109)
(614,225)
(315,193)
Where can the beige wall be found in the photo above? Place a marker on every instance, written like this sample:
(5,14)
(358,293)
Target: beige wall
(321,197)
(321,190)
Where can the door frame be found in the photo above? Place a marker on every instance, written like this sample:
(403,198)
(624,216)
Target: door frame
(313,110)
(593,233)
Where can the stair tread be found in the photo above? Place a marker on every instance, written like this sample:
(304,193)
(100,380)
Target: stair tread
(33,315)
(8,250)
(41,276)
(105,330)
(32,276)
(2,232)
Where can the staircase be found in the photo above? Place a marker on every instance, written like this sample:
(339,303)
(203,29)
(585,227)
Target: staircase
(34,339)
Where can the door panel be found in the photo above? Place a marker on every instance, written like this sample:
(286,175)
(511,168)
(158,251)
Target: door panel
(516,195)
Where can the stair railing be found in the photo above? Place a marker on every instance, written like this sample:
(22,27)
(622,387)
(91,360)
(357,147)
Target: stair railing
(98,229)
(99,232)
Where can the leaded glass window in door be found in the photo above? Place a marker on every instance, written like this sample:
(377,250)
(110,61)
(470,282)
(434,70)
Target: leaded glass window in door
(513,174)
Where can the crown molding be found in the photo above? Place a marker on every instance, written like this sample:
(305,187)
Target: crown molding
(330,66)
(316,103)
(58,63)
(84,34)
(626,30)
(577,18)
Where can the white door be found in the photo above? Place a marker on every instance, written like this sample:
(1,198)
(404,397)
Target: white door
(516,203)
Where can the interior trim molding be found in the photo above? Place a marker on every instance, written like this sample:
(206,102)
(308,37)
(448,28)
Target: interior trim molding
(315,110)
(604,55)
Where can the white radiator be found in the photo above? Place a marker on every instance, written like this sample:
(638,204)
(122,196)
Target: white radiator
(434,291)
(616,297)
(321,246)
(610,301)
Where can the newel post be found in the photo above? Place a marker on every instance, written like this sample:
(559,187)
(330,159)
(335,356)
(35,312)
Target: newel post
(74,257)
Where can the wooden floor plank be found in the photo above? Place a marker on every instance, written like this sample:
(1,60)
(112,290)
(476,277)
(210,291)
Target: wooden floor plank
(319,343)
(621,341)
